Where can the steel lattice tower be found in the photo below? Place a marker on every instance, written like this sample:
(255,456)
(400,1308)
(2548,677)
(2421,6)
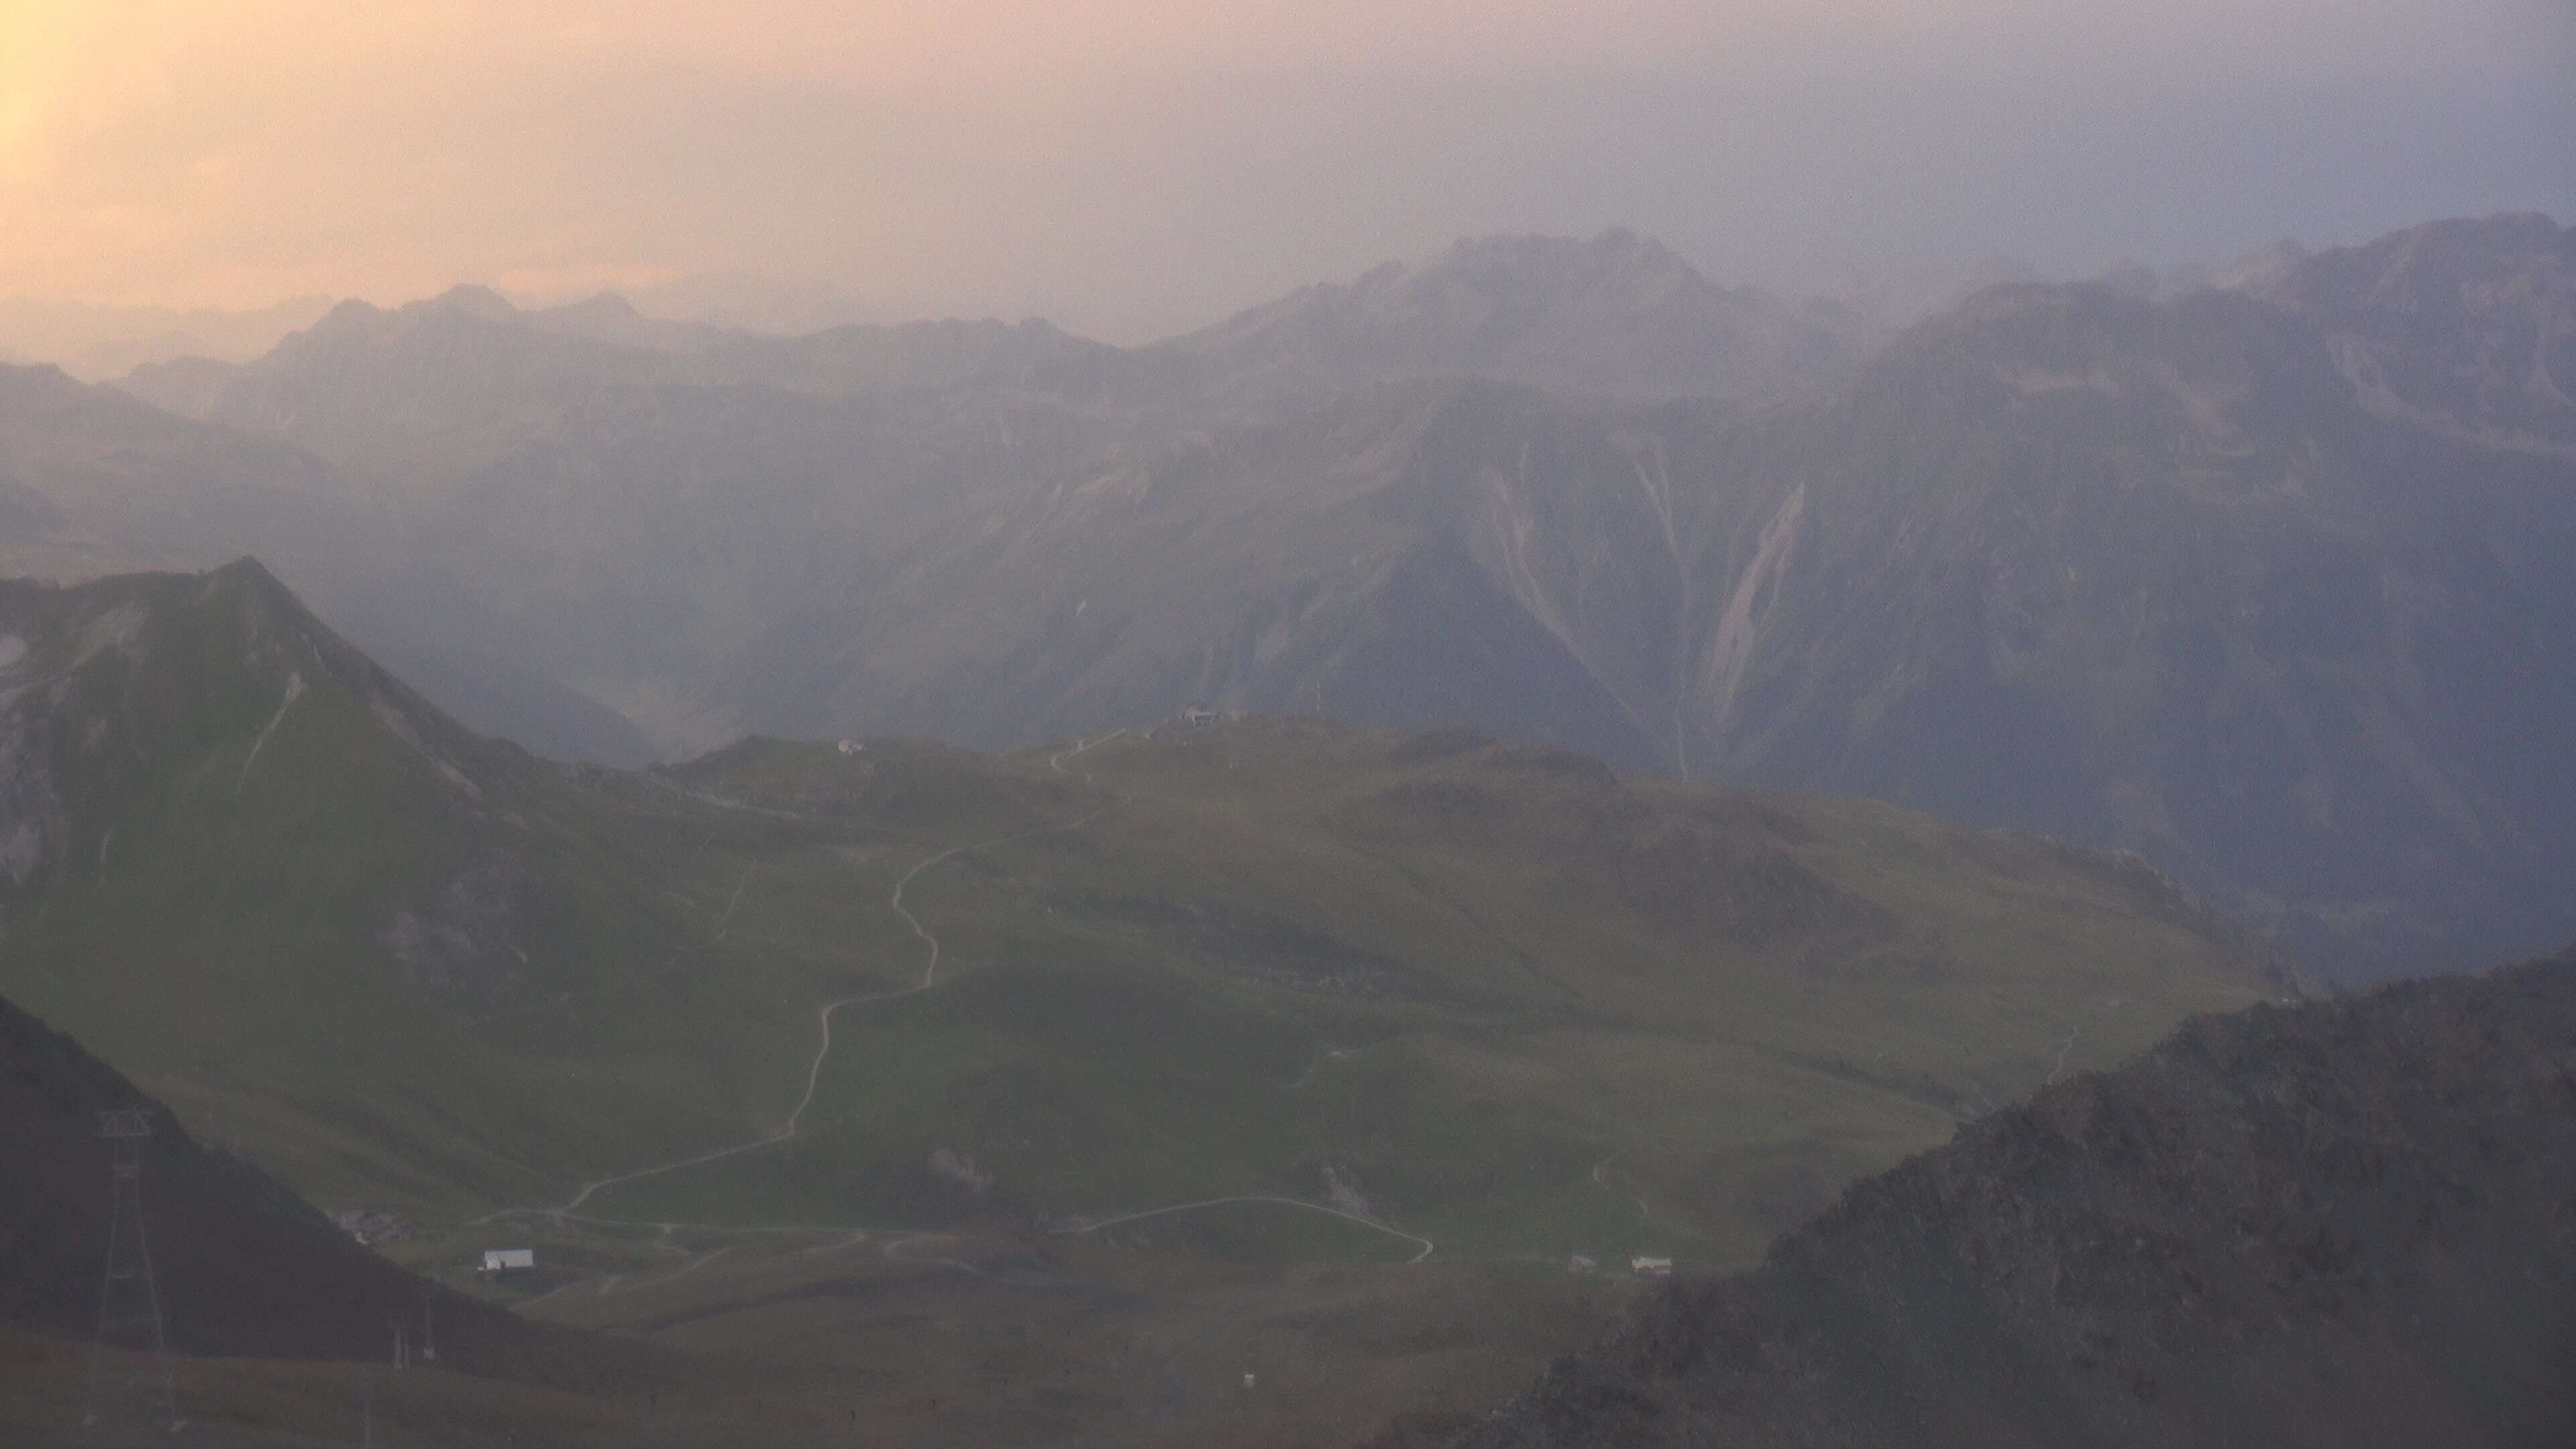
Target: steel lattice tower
(131,1393)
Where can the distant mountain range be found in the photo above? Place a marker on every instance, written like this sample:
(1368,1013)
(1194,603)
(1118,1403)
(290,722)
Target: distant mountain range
(2341,1224)
(97,343)
(2255,578)
(752,302)
(1618,318)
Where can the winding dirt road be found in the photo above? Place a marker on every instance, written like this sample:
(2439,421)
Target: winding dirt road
(570,1209)
(1085,1228)
(830,1009)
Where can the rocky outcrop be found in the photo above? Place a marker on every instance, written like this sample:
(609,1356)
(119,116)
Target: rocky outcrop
(2468,325)
(2344,1224)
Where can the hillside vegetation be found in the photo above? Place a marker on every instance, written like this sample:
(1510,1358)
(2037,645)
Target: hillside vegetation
(1476,999)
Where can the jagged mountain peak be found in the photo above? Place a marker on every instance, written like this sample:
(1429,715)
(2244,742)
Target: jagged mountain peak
(352,315)
(2207,352)
(1614,254)
(114,687)
(470,297)
(2261,267)
(1527,272)
(2466,324)
(599,304)
(1617,316)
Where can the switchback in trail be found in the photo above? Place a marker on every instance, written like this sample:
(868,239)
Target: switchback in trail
(829,1009)
(825,1014)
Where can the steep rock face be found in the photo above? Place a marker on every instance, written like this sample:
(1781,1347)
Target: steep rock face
(2469,326)
(1305,567)
(2153,575)
(2342,1223)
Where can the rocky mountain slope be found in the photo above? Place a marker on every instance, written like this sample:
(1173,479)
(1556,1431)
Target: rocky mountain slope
(244,1267)
(2342,1223)
(625,504)
(2156,574)
(2465,326)
(2151,574)
(399,963)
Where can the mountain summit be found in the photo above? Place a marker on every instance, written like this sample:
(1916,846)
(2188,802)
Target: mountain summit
(2464,325)
(1618,317)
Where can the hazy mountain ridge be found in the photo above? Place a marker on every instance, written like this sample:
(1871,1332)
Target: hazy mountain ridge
(105,483)
(2133,572)
(95,343)
(2469,326)
(2059,558)
(1302,567)
(2331,1224)
(752,302)
(570,467)
(93,482)
(1617,318)
(2152,574)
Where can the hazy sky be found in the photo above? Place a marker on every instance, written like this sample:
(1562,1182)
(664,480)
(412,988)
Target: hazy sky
(1133,166)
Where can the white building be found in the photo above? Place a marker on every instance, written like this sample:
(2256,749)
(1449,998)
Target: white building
(507,1260)
(1646,1267)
